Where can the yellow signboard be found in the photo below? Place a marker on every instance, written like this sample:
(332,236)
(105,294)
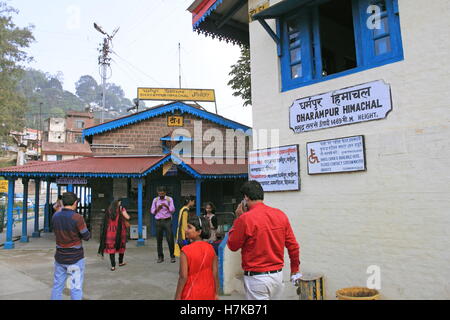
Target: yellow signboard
(258,9)
(3,186)
(175,121)
(176,94)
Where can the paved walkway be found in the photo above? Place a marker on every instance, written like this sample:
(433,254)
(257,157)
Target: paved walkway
(26,272)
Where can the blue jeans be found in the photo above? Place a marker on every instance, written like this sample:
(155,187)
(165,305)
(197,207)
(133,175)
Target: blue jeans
(75,272)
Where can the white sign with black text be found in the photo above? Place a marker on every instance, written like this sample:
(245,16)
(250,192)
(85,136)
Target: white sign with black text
(365,102)
(337,155)
(76,181)
(277,169)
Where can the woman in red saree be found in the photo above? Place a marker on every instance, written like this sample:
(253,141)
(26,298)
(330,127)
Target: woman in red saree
(114,233)
(199,278)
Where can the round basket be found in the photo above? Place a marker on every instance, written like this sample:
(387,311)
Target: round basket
(357,293)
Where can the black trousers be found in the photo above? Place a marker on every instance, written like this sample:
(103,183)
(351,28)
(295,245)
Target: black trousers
(112,257)
(164,226)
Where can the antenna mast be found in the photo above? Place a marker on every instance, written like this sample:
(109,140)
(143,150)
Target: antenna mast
(179,63)
(104,61)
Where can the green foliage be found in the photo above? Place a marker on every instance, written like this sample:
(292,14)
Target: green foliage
(87,89)
(12,42)
(90,92)
(240,81)
(45,97)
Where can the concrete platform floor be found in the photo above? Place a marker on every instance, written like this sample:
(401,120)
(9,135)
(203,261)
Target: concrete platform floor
(26,273)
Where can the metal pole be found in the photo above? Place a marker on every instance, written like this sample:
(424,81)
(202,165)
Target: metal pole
(198,193)
(47,208)
(141,241)
(24,237)
(36,233)
(40,131)
(104,90)
(9,244)
(179,63)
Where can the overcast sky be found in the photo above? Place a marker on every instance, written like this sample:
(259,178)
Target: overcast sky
(146,47)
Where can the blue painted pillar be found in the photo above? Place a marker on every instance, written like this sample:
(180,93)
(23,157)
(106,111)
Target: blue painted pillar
(141,241)
(221,250)
(70,188)
(9,244)
(47,208)
(59,190)
(24,237)
(36,233)
(198,199)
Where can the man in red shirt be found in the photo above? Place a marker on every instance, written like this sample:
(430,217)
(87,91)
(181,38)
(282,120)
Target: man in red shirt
(262,232)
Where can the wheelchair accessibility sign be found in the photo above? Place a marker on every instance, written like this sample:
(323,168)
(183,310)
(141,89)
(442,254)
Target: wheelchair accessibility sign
(337,155)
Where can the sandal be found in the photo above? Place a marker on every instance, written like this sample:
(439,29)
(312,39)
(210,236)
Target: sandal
(122,264)
(113,268)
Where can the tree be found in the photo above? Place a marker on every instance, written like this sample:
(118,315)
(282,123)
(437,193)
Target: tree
(87,89)
(240,81)
(90,92)
(46,89)
(12,42)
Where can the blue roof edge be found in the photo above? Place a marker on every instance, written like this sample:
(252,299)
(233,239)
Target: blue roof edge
(170,157)
(207,13)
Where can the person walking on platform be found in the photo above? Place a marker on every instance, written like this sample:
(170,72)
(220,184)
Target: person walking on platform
(163,208)
(210,216)
(262,232)
(70,229)
(113,237)
(183,215)
(198,276)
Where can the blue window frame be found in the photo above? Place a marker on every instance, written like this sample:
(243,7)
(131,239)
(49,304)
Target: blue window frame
(382,43)
(318,45)
(296,56)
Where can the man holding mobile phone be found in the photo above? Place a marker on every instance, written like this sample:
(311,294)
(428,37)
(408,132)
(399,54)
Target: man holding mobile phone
(262,232)
(163,208)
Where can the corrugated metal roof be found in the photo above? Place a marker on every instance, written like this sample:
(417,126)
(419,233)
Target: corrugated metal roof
(130,165)
(127,166)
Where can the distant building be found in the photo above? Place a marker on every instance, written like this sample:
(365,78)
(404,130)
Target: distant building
(55,130)
(52,151)
(75,123)
(63,136)
(27,143)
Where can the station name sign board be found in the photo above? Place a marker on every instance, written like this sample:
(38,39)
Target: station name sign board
(76,181)
(365,102)
(206,95)
(276,169)
(337,155)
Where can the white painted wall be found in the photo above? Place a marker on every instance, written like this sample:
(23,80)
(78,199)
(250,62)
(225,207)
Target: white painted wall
(396,215)
(57,130)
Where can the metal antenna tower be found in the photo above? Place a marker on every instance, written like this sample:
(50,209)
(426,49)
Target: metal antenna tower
(179,64)
(104,61)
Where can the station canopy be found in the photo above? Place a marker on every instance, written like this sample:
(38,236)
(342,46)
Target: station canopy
(223,19)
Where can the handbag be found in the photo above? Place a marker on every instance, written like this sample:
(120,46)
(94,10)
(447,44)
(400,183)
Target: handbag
(181,243)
